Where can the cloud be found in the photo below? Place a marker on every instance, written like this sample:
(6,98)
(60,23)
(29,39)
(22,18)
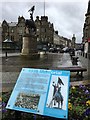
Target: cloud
(68,17)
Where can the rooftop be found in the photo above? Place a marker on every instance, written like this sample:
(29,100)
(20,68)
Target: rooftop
(12,24)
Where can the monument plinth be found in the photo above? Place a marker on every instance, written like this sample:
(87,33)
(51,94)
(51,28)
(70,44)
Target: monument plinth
(29,46)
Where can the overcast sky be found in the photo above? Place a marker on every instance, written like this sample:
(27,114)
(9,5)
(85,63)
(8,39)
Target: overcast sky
(68,17)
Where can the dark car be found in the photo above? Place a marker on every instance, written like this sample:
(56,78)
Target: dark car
(54,50)
(72,52)
(51,49)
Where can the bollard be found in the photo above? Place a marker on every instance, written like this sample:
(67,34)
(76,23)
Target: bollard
(17,115)
(6,54)
(86,55)
(74,60)
(83,54)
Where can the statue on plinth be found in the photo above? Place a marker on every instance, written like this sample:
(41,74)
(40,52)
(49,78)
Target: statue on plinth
(29,46)
(29,23)
(31,12)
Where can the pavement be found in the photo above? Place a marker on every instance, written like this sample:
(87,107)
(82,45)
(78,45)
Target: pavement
(12,65)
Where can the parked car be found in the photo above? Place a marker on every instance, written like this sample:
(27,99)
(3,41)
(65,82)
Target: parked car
(44,49)
(59,50)
(72,52)
(53,49)
(66,49)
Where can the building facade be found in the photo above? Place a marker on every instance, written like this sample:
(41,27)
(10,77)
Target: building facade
(86,33)
(15,30)
(61,41)
(46,35)
(0,37)
(44,32)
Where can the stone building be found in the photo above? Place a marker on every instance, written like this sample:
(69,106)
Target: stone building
(46,35)
(0,36)
(56,39)
(66,42)
(60,41)
(15,30)
(20,30)
(44,31)
(86,33)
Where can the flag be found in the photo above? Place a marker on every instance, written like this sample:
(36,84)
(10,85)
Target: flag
(60,81)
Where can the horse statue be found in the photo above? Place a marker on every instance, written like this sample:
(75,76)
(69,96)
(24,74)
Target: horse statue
(57,96)
(30,25)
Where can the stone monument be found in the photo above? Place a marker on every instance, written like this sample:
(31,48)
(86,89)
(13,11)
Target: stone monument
(29,46)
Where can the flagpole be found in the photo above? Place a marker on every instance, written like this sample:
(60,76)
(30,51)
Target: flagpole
(44,7)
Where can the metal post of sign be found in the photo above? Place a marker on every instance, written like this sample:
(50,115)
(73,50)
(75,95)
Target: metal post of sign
(17,115)
(35,117)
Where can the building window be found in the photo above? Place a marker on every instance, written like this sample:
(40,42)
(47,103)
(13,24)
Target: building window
(37,39)
(12,30)
(42,29)
(12,38)
(42,23)
(42,39)
(45,39)
(37,29)
(20,31)
(86,34)
(45,30)
(38,23)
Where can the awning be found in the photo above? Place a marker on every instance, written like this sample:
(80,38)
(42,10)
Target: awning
(7,40)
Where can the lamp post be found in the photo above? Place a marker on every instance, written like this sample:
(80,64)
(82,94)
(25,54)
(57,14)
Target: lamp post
(7,45)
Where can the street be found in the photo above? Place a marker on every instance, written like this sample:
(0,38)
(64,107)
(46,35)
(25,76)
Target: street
(12,66)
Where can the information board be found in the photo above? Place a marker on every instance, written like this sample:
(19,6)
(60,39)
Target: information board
(40,91)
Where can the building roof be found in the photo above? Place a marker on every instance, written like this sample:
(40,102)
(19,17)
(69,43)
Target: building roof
(12,24)
(7,40)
